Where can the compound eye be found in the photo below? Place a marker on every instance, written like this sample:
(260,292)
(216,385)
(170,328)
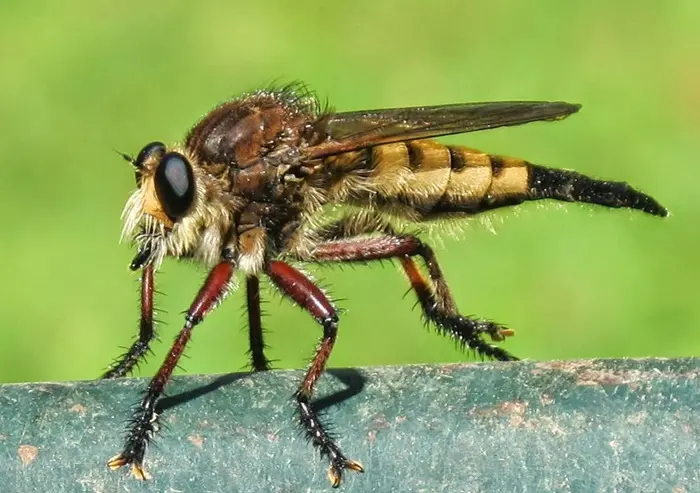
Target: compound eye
(174,182)
(153,150)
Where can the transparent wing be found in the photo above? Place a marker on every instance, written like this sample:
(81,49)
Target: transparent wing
(358,129)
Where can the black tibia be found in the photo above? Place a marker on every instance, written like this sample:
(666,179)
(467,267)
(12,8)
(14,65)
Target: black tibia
(570,186)
(466,331)
(144,421)
(310,297)
(258,361)
(434,296)
(138,350)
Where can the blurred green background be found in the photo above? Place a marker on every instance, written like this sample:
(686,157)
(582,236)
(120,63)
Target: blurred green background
(80,78)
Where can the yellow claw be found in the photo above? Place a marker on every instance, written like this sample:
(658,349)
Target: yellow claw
(139,472)
(502,334)
(335,475)
(116,462)
(354,465)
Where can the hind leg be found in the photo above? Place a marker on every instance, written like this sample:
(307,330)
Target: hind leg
(433,293)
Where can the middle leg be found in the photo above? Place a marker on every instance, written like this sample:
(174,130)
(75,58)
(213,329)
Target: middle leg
(310,297)
(258,360)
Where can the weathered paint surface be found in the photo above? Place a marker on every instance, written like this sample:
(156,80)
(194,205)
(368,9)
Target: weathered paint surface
(577,426)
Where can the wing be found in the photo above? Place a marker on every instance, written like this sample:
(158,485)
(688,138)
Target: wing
(358,129)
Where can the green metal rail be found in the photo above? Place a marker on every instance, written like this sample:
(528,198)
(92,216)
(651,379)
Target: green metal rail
(576,426)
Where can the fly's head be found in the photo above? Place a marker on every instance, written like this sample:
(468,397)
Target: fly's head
(178,208)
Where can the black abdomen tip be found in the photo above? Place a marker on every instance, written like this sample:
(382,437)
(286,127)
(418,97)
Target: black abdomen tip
(656,208)
(571,186)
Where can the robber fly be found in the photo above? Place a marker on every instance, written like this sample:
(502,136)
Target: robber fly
(249,191)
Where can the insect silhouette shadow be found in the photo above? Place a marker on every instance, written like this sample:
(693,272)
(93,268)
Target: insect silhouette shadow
(353,380)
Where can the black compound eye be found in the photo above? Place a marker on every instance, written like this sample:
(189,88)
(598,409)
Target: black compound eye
(174,182)
(152,150)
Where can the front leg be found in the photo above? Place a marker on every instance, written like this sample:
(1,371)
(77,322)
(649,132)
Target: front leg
(138,350)
(144,421)
(307,295)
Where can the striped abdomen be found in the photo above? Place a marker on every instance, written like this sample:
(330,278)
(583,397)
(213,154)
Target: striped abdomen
(434,178)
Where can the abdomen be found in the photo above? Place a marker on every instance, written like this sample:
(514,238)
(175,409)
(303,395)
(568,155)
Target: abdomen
(429,179)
